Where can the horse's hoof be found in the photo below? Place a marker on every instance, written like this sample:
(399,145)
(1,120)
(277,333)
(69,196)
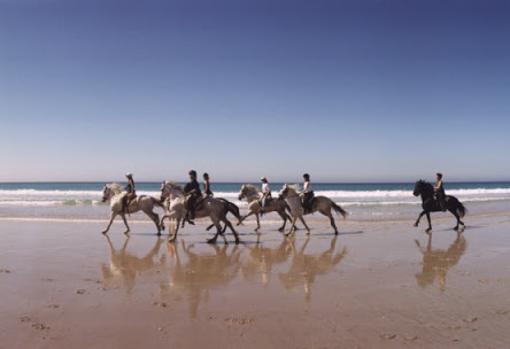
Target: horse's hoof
(428,230)
(280,230)
(158,233)
(211,241)
(336,232)
(415,224)
(237,242)
(126,232)
(104,232)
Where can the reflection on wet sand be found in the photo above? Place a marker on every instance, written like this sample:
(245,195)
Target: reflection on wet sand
(124,266)
(304,268)
(437,262)
(190,272)
(193,278)
(258,265)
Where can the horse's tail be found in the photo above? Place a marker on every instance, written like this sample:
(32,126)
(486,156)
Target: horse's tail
(461,210)
(157,202)
(338,209)
(232,208)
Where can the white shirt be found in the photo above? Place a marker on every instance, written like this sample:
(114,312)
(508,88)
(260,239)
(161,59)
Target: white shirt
(307,187)
(265,188)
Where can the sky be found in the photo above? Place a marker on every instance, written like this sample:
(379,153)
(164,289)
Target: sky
(350,91)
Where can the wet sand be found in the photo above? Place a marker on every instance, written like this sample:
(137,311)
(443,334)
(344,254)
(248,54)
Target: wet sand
(377,285)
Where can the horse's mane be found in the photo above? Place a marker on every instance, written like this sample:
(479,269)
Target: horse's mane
(174,185)
(115,187)
(251,187)
(293,187)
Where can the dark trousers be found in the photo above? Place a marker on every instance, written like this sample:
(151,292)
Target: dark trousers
(307,200)
(191,206)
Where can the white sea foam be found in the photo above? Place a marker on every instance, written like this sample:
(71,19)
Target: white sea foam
(35,198)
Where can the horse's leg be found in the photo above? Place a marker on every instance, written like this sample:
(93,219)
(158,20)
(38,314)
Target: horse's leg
(292,227)
(218,232)
(257,217)
(283,215)
(155,218)
(456,228)
(245,216)
(123,215)
(332,221)
(174,236)
(301,218)
(112,218)
(419,217)
(227,223)
(430,223)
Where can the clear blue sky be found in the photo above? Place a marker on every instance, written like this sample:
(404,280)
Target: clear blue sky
(346,90)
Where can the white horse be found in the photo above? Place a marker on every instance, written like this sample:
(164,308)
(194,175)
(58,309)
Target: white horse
(320,204)
(216,209)
(253,195)
(114,193)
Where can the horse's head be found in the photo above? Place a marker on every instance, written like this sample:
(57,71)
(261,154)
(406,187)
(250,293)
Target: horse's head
(248,192)
(106,194)
(164,191)
(287,191)
(423,188)
(242,192)
(418,187)
(170,189)
(109,190)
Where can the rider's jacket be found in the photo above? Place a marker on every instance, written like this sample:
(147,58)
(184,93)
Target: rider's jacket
(130,187)
(193,185)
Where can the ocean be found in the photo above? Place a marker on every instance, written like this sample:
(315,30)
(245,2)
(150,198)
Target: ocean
(364,201)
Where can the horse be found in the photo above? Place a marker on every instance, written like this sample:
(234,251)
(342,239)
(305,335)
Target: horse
(320,204)
(115,194)
(293,200)
(252,196)
(217,209)
(429,204)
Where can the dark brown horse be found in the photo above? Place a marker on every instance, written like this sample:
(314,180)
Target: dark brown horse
(429,204)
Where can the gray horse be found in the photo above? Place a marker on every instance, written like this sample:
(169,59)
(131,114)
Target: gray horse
(320,204)
(175,208)
(252,195)
(114,193)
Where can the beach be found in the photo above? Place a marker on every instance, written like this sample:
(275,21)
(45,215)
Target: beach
(379,284)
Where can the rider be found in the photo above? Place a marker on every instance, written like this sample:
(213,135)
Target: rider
(266,192)
(439,191)
(207,186)
(307,193)
(130,193)
(192,189)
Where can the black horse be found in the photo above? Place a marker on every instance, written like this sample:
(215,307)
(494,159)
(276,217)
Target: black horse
(429,204)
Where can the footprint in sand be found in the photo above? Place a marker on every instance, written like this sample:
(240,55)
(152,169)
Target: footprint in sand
(40,326)
(81,291)
(5,271)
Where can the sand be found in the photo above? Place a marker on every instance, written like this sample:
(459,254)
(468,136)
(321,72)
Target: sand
(377,285)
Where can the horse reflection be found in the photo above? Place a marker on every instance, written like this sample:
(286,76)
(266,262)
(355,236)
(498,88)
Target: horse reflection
(261,260)
(193,278)
(124,267)
(304,268)
(437,263)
